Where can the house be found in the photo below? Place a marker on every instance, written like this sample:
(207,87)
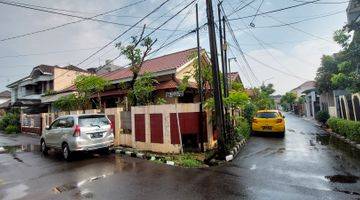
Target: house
(311,104)
(4,101)
(342,104)
(168,70)
(353,12)
(43,79)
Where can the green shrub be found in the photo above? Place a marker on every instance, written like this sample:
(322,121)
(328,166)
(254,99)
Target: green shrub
(242,128)
(11,129)
(322,116)
(249,111)
(10,119)
(346,128)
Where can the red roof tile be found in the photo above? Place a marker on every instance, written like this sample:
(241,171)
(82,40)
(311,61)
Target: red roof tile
(162,63)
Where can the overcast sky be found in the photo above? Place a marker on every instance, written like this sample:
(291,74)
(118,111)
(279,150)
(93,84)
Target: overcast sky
(295,50)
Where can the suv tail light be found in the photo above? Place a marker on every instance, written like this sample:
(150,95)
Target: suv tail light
(278,120)
(112,128)
(77,131)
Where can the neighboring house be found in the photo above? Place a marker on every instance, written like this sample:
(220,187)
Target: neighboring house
(43,79)
(4,101)
(168,70)
(311,105)
(108,67)
(277,101)
(342,104)
(353,12)
(5,96)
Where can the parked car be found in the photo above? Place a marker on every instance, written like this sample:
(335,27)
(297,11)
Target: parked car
(269,121)
(73,133)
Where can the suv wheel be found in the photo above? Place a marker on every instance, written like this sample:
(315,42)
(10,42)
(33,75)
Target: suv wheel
(66,152)
(43,147)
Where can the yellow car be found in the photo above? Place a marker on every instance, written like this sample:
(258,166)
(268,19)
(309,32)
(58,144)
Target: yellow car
(269,121)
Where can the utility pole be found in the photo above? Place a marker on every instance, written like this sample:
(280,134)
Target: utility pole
(219,114)
(201,125)
(226,128)
(226,81)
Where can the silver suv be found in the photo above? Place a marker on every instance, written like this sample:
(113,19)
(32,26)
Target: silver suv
(78,133)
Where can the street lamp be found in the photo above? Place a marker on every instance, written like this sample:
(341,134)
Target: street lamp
(229,61)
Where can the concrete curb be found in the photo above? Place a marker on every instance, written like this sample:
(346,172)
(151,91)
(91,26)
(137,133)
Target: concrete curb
(342,138)
(235,150)
(135,154)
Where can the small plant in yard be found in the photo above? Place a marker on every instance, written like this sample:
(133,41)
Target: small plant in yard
(10,122)
(242,128)
(10,129)
(322,116)
(188,160)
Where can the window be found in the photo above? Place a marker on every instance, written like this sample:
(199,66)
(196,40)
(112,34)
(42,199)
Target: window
(93,120)
(69,122)
(55,124)
(266,115)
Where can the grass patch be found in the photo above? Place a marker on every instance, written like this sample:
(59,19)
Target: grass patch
(190,160)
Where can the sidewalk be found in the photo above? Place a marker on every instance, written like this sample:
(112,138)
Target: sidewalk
(18,139)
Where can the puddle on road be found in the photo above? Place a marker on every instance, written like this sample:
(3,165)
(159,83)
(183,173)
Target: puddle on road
(19,148)
(342,178)
(77,185)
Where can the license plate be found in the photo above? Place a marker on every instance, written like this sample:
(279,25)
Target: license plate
(96,135)
(267,127)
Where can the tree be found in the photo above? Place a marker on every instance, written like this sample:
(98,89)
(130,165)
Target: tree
(324,73)
(136,56)
(288,100)
(341,71)
(268,89)
(67,103)
(143,89)
(87,86)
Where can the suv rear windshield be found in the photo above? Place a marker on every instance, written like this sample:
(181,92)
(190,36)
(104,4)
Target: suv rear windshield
(267,115)
(93,120)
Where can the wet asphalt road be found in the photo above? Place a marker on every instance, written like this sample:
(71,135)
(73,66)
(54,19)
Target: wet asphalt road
(300,166)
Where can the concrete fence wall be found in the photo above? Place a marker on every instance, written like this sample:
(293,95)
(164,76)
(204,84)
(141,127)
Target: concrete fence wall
(150,128)
(350,106)
(155,128)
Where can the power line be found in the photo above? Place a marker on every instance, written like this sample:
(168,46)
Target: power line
(124,32)
(295,22)
(46,53)
(74,16)
(276,10)
(238,45)
(257,11)
(326,2)
(276,69)
(177,26)
(262,44)
(73,22)
(238,8)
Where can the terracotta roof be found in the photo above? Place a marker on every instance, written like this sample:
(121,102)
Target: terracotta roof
(162,63)
(5,94)
(45,68)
